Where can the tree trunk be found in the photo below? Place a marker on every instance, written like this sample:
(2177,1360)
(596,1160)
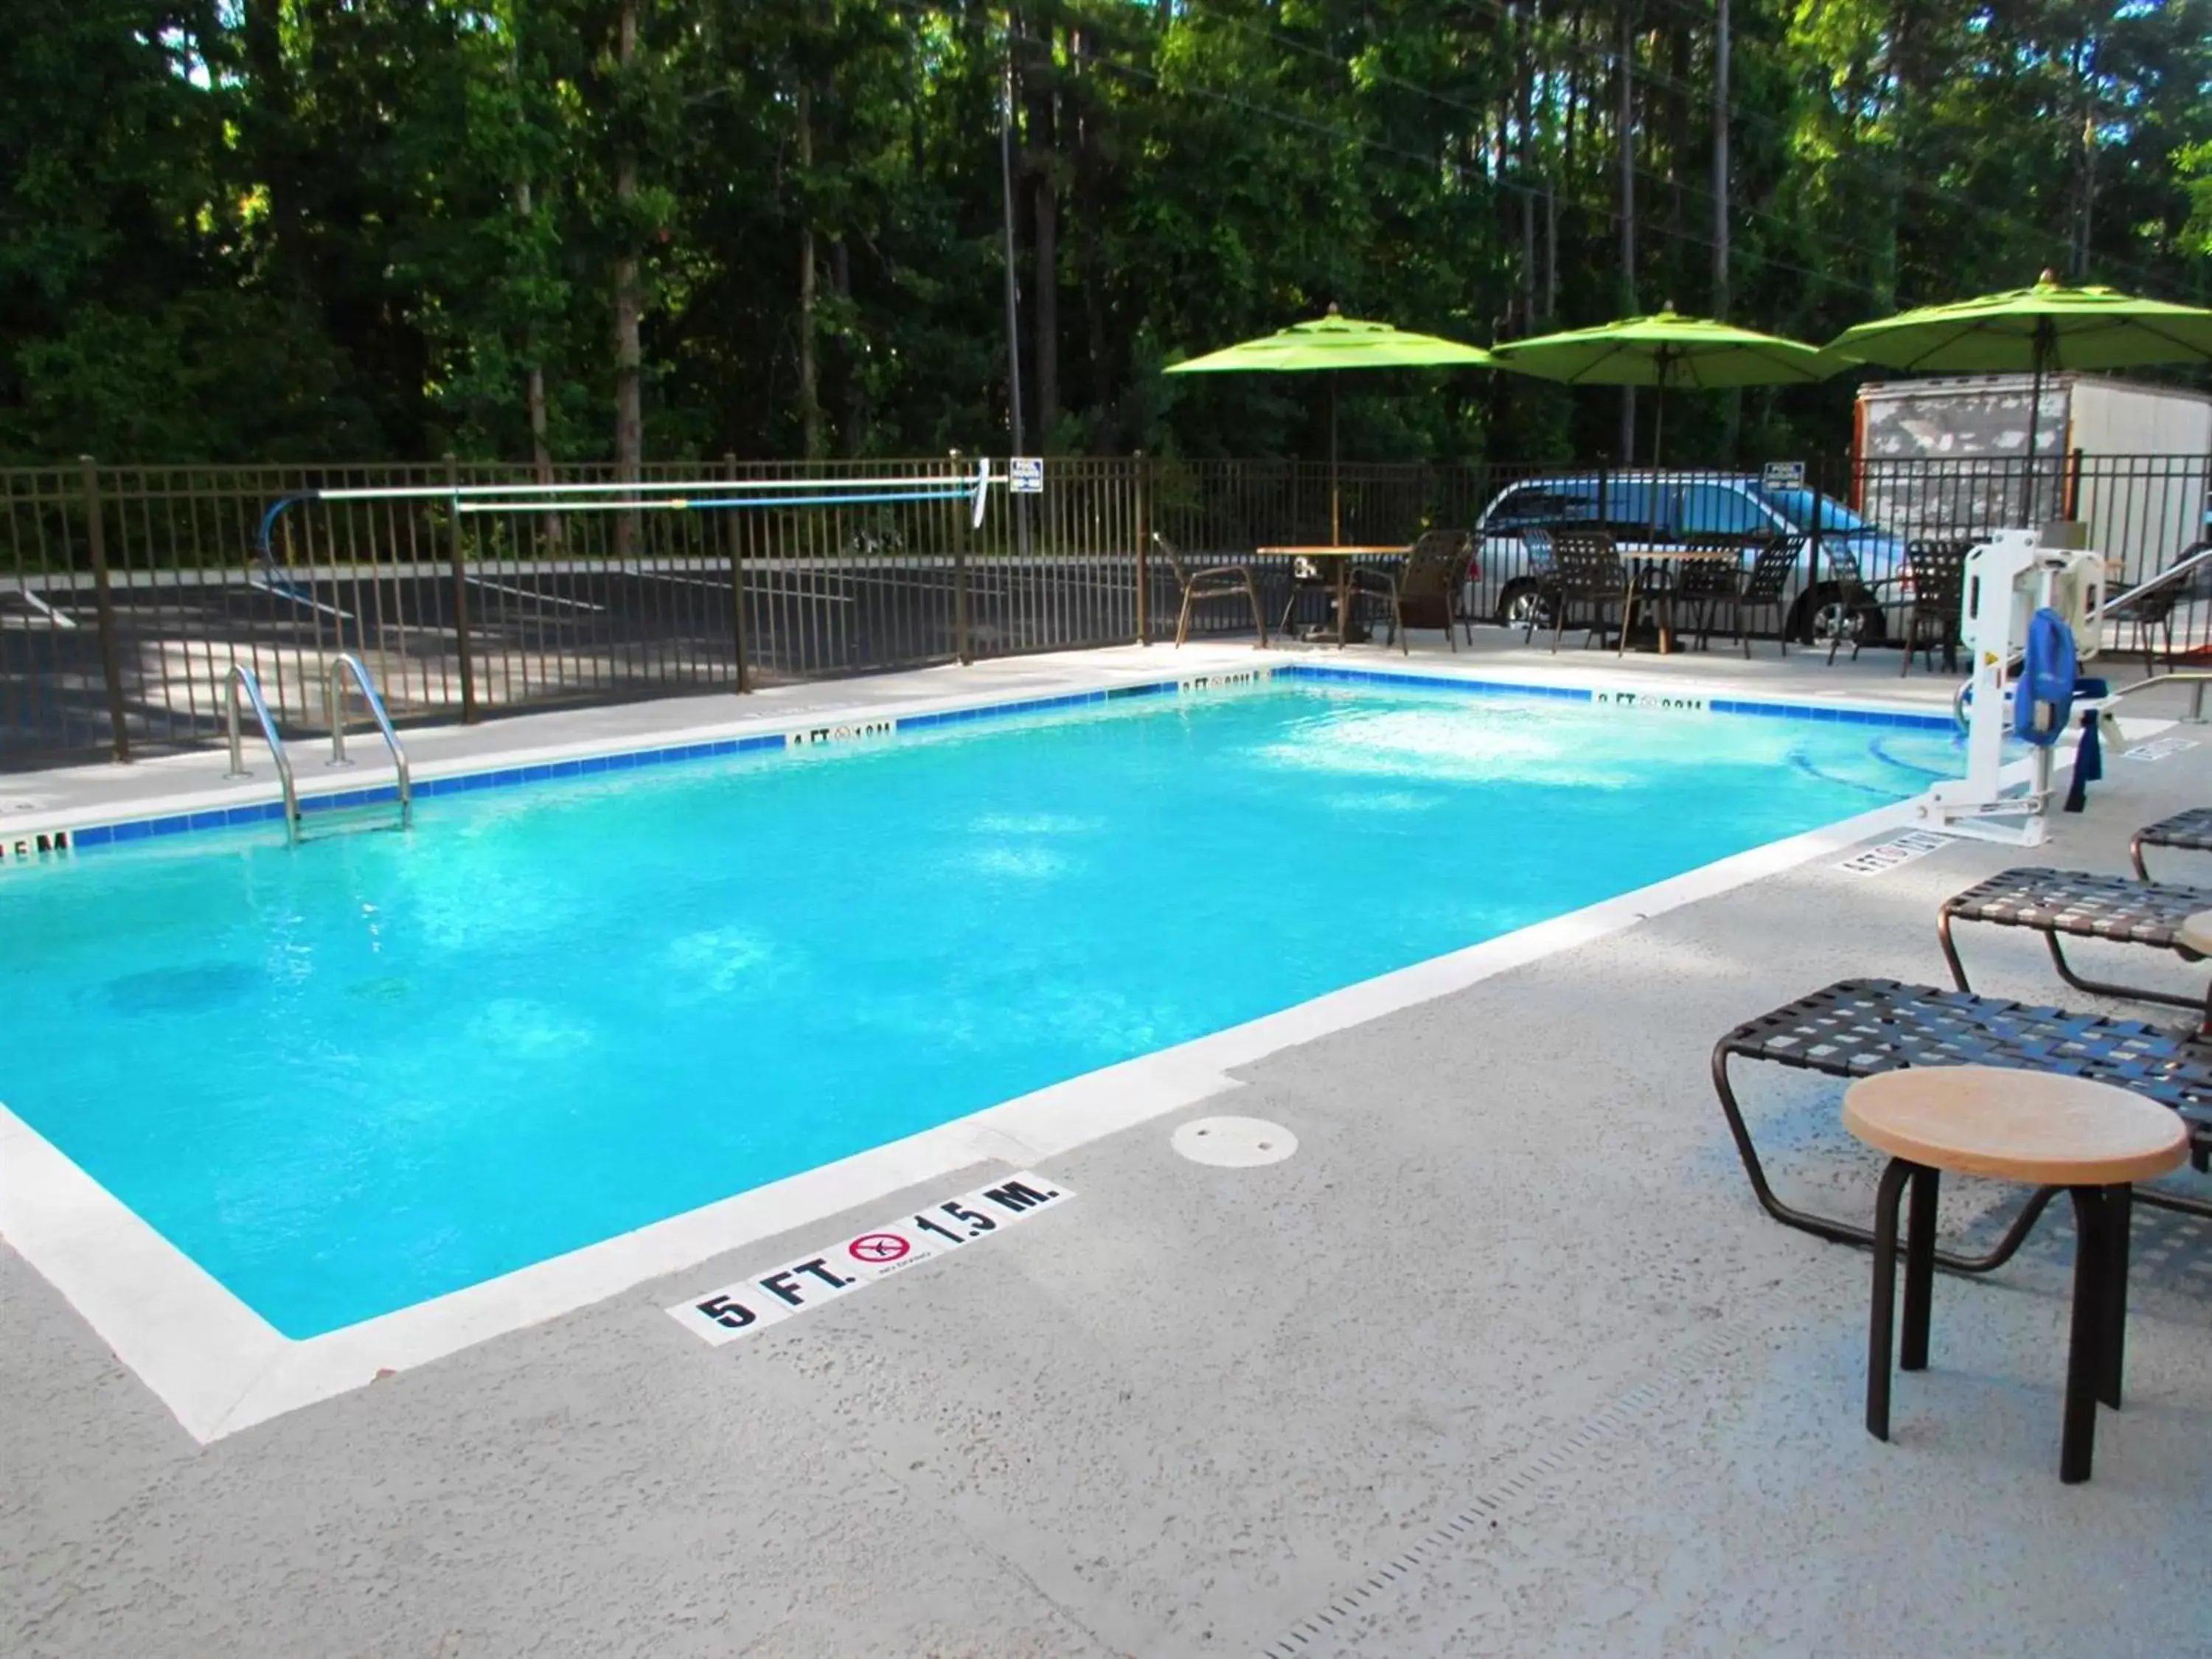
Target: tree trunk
(533,394)
(1043,155)
(1526,166)
(2085,154)
(1732,402)
(810,387)
(1104,373)
(853,395)
(629,301)
(1720,46)
(1551,251)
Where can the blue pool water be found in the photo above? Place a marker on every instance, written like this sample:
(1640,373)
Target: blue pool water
(349,1077)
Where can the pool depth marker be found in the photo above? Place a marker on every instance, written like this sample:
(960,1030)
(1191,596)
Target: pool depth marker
(753,1304)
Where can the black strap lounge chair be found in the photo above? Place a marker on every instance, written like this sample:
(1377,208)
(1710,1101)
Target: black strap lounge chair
(2071,903)
(2188,832)
(1214,583)
(1860,1028)
(1428,587)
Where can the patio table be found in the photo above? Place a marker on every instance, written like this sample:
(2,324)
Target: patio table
(1338,559)
(1646,560)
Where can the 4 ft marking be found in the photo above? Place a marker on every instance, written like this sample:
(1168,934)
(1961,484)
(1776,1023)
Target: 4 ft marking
(753,1304)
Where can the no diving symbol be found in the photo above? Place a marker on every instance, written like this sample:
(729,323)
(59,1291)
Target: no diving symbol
(877,1248)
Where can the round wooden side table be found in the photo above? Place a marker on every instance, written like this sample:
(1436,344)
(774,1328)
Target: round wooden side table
(2092,1139)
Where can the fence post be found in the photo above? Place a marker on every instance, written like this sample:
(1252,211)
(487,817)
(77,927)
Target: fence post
(1144,550)
(731,529)
(111,660)
(960,573)
(461,589)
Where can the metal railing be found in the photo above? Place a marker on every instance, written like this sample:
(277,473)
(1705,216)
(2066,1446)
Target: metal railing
(241,679)
(126,593)
(344,665)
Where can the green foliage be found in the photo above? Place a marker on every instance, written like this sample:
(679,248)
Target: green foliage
(302,230)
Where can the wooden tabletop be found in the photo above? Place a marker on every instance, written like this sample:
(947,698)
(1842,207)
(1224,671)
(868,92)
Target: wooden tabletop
(2034,1127)
(1327,551)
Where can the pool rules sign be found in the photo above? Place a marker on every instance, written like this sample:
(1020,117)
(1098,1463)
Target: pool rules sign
(753,1304)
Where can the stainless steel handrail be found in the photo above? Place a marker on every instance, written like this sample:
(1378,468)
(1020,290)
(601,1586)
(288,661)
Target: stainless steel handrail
(240,677)
(344,664)
(2165,578)
(2195,678)
(2172,574)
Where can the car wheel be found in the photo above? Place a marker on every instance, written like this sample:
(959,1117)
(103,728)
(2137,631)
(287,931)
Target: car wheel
(1522,605)
(1822,615)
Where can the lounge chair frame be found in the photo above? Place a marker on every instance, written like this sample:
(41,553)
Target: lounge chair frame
(1859,1028)
(2072,903)
(2188,832)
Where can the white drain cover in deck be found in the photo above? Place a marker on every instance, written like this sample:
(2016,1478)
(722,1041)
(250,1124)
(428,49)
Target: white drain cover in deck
(1234,1143)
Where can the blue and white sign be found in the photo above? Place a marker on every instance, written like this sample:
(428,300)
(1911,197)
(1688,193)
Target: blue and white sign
(1025,475)
(1783,475)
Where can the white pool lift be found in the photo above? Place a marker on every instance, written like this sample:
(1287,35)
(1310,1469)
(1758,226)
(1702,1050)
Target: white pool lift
(2008,578)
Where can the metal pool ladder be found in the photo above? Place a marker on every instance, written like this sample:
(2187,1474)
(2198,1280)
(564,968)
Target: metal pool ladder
(241,679)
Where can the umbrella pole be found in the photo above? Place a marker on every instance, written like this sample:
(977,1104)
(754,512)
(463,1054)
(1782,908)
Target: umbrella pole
(2034,419)
(1335,501)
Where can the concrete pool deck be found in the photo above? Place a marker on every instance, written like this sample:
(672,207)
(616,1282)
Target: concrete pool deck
(1505,1359)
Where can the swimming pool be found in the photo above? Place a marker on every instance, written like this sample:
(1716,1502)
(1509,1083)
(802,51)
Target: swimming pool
(348,1078)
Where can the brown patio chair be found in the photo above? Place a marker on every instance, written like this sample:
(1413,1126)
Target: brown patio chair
(1854,602)
(2153,614)
(1937,572)
(1212,582)
(1705,589)
(1380,586)
(1429,586)
(1588,572)
(1766,589)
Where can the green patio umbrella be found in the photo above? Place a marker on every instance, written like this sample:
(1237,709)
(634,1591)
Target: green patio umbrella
(1668,350)
(1335,342)
(2041,330)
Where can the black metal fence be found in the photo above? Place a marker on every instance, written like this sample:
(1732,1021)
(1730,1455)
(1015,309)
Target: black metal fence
(126,592)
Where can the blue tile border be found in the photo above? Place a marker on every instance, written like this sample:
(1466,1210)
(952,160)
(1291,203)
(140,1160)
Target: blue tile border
(1433,683)
(109,834)
(1808,711)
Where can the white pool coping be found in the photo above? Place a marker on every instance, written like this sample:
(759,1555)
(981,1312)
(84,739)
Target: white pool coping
(219,1367)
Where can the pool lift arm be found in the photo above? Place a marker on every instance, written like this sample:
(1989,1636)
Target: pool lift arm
(2009,579)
